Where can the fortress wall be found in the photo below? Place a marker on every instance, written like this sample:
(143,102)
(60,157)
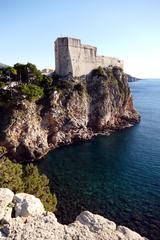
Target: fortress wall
(73,57)
(104,61)
(83,59)
(62,57)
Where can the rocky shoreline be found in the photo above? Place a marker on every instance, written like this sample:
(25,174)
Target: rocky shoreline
(22,216)
(76,110)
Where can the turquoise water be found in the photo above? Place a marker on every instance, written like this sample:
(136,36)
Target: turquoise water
(116,176)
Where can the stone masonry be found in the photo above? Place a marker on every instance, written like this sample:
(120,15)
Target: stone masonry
(72,57)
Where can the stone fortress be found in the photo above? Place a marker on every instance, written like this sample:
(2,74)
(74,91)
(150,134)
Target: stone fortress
(76,59)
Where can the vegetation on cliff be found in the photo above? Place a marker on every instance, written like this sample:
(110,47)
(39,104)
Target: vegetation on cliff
(23,81)
(26,178)
(32,92)
(39,113)
(43,113)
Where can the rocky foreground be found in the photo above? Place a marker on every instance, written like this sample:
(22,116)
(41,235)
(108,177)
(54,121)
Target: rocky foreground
(23,217)
(77,109)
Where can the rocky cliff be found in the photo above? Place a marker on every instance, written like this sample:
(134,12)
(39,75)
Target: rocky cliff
(132,79)
(22,216)
(76,109)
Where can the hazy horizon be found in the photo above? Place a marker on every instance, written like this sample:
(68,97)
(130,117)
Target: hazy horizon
(129,31)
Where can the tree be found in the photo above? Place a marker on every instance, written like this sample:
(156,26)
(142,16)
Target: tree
(11,70)
(31,91)
(21,72)
(46,83)
(26,178)
(28,73)
(11,175)
(10,73)
(34,75)
(39,186)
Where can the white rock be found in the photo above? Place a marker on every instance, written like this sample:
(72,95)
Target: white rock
(27,205)
(7,214)
(39,224)
(95,222)
(127,233)
(46,227)
(2,236)
(6,197)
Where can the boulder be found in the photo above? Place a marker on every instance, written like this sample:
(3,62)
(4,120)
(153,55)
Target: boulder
(87,226)
(32,222)
(6,197)
(95,222)
(126,233)
(27,205)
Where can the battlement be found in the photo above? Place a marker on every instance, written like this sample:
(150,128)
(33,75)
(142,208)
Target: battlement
(72,57)
(65,41)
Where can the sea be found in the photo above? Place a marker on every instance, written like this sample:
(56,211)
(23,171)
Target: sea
(116,176)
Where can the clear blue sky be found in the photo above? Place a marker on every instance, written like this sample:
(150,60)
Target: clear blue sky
(128,29)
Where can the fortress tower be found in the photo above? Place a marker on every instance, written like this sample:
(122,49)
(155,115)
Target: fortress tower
(72,57)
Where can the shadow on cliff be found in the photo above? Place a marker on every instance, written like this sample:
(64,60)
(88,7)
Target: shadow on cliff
(6,119)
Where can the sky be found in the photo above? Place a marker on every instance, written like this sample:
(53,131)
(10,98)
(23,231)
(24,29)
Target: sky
(127,29)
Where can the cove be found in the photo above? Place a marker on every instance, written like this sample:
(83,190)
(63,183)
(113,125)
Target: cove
(116,176)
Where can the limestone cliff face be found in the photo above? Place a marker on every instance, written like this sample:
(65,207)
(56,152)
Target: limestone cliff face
(76,109)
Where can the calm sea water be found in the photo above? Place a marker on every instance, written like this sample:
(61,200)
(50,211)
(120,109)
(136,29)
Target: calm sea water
(116,176)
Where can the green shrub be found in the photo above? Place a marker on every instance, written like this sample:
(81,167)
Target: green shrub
(46,84)
(28,73)
(38,185)
(64,85)
(11,175)
(7,98)
(98,71)
(10,71)
(2,150)
(2,84)
(31,91)
(26,178)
